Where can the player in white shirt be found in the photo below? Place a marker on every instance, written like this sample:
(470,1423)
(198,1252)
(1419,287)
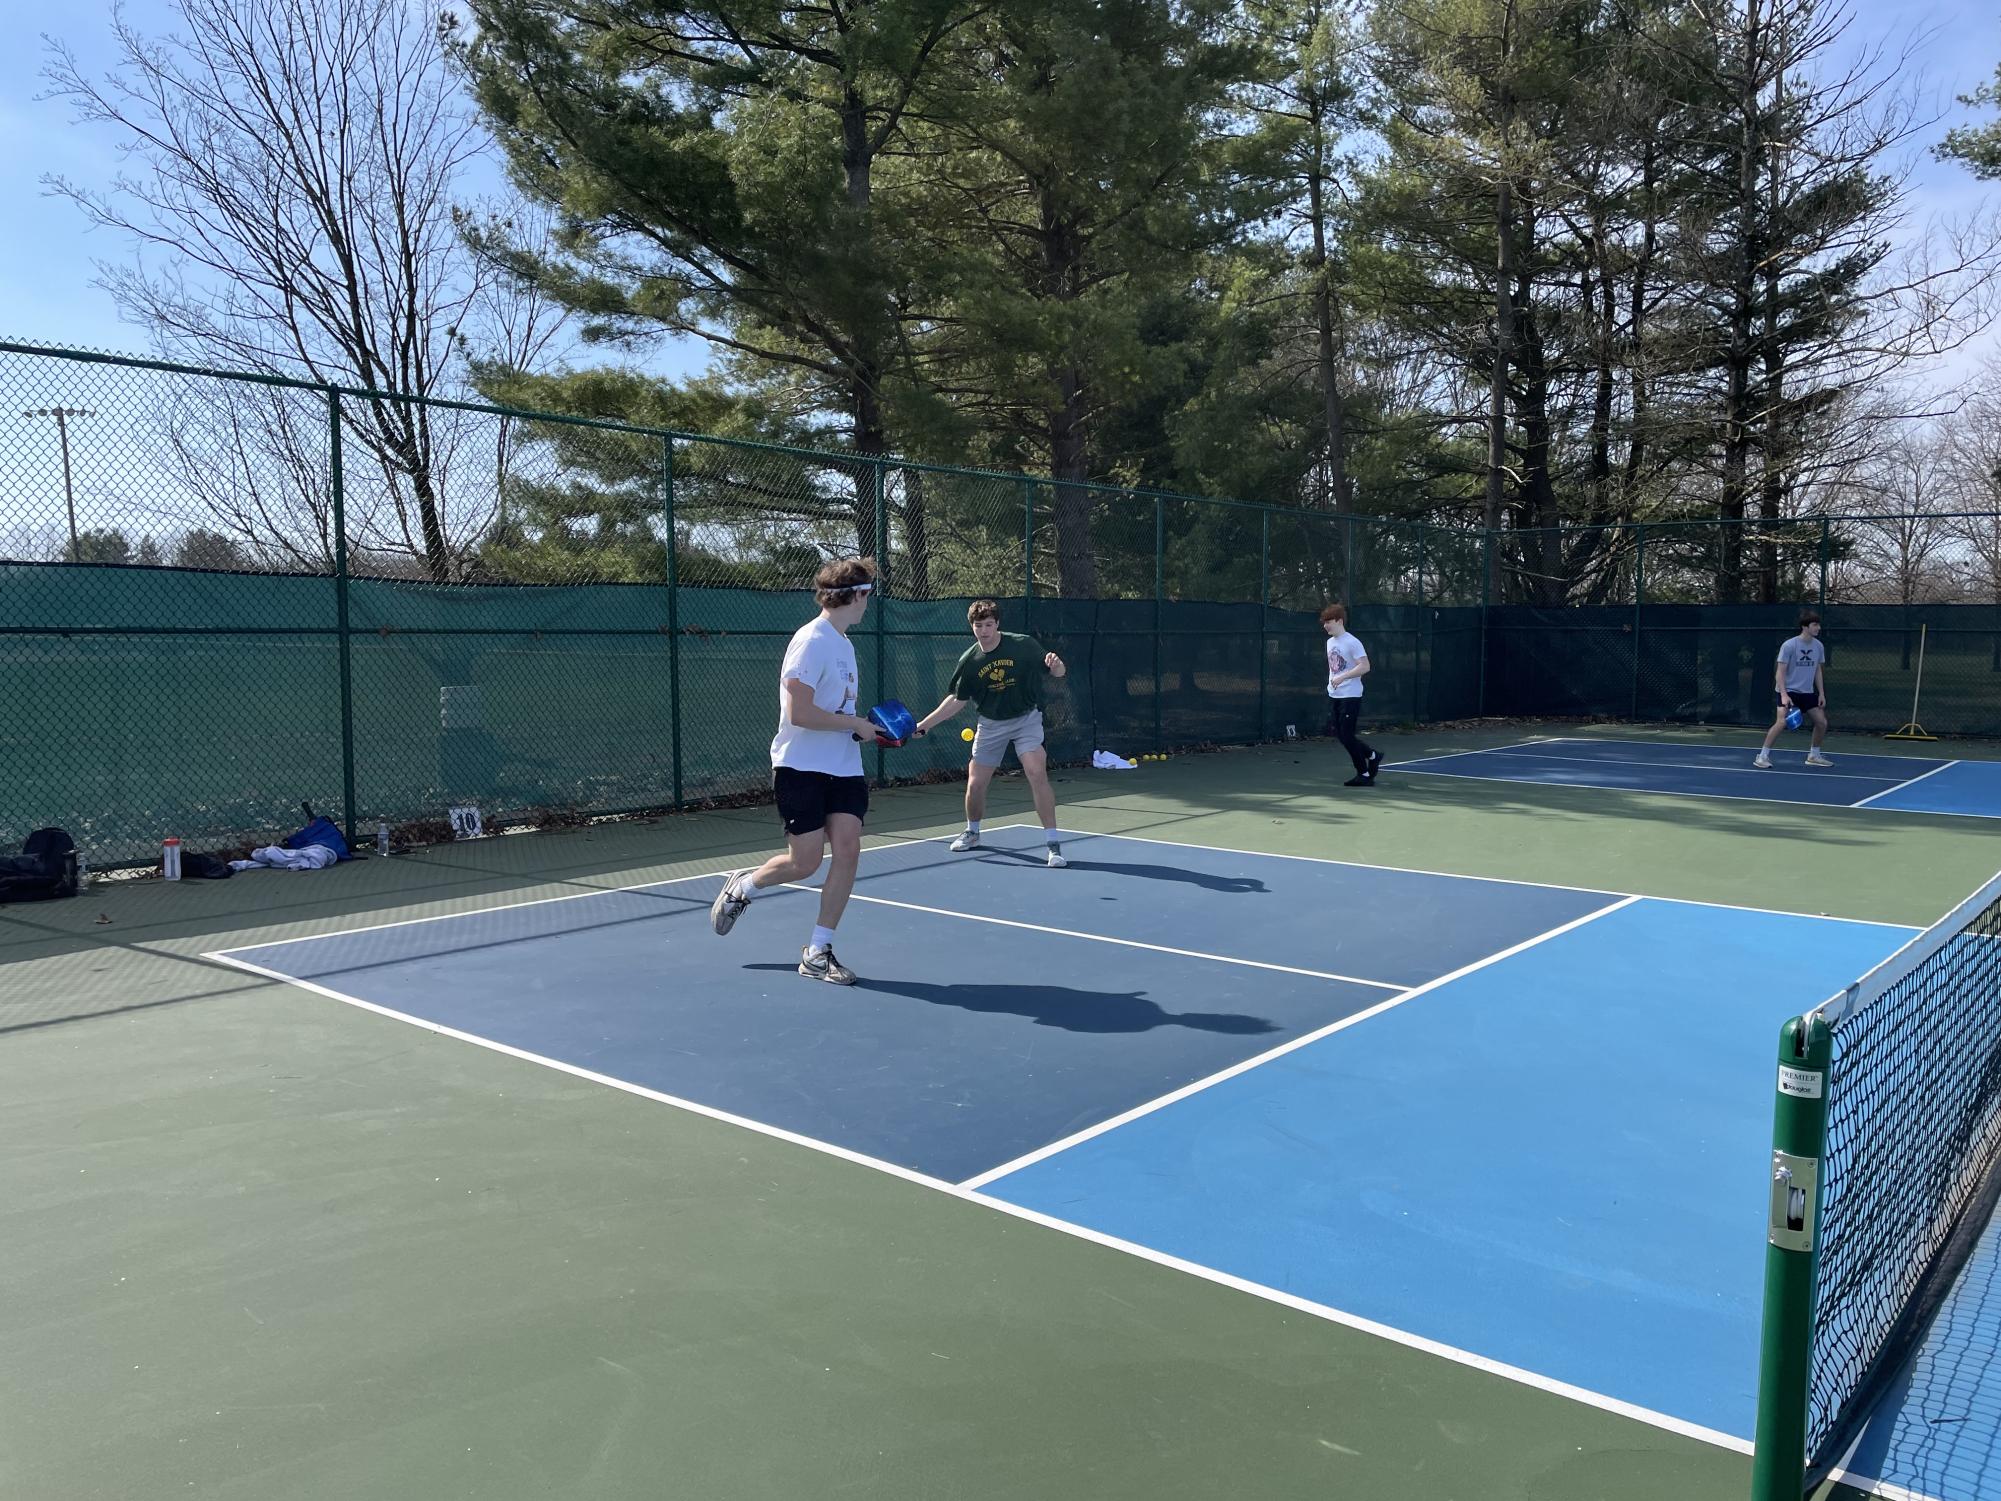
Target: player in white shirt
(1800,682)
(816,767)
(1347,665)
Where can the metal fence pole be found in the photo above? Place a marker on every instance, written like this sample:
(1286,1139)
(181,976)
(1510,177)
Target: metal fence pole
(879,478)
(1420,645)
(673,614)
(1028,555)
(1264,620)
(1639,598)
(346,645)
(1486,607)
(1825,547)
(1159,598)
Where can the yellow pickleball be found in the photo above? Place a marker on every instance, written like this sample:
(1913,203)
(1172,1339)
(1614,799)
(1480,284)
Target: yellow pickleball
(965,734)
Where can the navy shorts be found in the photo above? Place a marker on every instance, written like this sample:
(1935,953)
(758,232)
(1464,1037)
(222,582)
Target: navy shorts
(805,798)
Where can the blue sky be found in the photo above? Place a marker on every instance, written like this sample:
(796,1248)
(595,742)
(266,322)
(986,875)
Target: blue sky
(46,250)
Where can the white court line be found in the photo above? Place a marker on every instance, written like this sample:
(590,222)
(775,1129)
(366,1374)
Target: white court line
(1765,772)
(1129,943)
(1478,750)
(570,896)
(1735,797)
(1027,1158)
(1942,766)
(1484,1364)
(1447,875)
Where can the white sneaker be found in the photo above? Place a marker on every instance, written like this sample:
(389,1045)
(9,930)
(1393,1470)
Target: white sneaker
(729,904)
(1764,762)
(1815,758)
(1056,860)
(969,840)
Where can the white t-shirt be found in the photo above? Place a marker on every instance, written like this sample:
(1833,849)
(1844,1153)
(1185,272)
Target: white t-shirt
(1801,657)
(823,659)
(1343,652)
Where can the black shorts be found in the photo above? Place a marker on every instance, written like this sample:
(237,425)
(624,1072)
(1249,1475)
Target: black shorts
(805,798)
(1801,700)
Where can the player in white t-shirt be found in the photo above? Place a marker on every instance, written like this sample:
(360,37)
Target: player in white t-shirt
(1799,681)
(1347,665)
(816,767)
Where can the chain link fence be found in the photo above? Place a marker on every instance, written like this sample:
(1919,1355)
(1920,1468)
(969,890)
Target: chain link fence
(222,596)
(225,596)
(1681,621)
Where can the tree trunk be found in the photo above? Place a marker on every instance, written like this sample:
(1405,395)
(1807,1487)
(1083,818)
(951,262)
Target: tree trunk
(1076,564)
(1497,391)
(1737,397)
(864,356)
(1504,290)
(1065,421)
(1323,314)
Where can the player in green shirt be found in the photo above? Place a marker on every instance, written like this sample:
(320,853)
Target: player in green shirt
(1003,674)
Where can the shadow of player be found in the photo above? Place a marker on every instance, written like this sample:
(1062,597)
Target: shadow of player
(1063,1006)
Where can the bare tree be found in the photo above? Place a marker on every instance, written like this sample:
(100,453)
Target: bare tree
(1902,544)
(291,167)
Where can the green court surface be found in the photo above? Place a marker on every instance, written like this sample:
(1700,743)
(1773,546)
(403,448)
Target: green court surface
(260,1244)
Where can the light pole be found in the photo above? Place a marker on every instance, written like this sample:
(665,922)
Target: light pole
(62,416)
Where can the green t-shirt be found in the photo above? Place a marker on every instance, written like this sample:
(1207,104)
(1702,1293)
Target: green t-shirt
(1004,683)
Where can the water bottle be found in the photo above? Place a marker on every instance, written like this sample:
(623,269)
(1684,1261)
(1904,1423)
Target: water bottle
(382,838)
(170,859)
(82,870)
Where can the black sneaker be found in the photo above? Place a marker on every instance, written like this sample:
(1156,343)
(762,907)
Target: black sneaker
(824,966)
(1360,779)
(728,905)
(1375,763)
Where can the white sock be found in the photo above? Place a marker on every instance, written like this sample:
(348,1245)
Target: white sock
(746,887)
(972,826)
(823,938)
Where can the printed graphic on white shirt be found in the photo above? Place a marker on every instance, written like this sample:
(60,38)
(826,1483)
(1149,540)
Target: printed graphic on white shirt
(1343,652)
(824,660)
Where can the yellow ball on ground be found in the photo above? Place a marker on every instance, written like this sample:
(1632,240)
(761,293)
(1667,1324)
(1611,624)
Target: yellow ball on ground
(965,734)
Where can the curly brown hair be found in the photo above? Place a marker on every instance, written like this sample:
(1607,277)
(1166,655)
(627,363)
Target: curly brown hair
(841,579)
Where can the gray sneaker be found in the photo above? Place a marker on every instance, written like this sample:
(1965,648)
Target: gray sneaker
(728,906)
(966,841)
(824,966)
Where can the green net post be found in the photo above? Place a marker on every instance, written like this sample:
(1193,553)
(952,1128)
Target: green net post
(673,612)
(344,638)
(1799,1148)
(1264,620)
(1159,602)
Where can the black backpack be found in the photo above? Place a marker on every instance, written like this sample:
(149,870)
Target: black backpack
(46,867)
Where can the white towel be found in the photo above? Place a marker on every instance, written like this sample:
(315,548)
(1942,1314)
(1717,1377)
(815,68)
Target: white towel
(277,857)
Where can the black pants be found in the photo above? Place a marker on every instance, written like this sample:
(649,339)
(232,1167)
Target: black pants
(1341,716)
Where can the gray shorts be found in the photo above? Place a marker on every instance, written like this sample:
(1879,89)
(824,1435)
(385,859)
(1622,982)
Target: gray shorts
(990,739)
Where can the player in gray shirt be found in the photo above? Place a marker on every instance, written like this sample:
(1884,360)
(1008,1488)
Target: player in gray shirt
(1801,681)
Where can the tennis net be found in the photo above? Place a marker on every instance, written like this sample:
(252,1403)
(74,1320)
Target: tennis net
(1909,1173)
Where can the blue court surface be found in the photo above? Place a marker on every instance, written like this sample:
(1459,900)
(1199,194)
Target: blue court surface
(1903,784)
(1524,1126)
